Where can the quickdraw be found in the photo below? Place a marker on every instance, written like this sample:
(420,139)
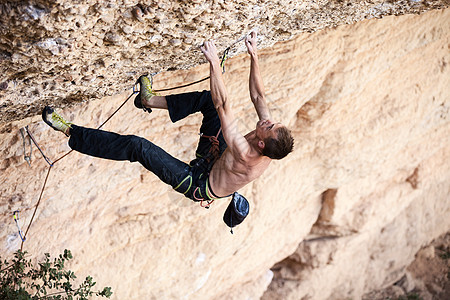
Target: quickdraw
(222,65)
(16,219)
(30,136)
(225,53)
(224,58)
(25,156)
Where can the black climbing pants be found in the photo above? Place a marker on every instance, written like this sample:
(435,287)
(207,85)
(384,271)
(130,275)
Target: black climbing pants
(189,179)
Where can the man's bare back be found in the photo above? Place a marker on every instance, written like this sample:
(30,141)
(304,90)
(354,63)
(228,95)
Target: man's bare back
(229,174)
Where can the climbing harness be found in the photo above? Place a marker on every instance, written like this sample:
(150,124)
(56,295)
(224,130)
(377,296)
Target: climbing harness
(135,91)
(215,152)
(215,149)
(16,219)
(202,199)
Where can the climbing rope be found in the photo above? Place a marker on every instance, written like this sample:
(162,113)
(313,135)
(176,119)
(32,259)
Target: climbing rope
(51,164)
(215,149)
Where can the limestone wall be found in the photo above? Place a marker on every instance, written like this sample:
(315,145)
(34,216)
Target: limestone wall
(64,52)
(367,185)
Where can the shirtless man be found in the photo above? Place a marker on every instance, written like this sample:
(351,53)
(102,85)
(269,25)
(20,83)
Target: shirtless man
(243,161)
(226,160)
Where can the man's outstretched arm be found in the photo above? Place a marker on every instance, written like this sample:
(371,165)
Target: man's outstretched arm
(256,85)
(235,141)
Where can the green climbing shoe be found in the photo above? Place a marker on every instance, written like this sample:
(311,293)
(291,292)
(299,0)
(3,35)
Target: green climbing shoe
(55,121)
(146,92)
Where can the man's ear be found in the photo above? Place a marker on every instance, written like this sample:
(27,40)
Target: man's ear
(261,144)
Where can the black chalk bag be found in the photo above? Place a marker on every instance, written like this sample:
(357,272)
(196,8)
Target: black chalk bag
(236,211)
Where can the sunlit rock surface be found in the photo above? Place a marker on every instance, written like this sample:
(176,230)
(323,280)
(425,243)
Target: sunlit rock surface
(63,52)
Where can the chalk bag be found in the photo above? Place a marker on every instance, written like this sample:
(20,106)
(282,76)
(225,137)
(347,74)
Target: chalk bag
(236,211)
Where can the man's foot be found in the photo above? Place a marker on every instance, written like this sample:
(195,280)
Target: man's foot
(55,121)
(146,92)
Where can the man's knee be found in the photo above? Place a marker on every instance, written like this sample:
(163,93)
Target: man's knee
(138,145)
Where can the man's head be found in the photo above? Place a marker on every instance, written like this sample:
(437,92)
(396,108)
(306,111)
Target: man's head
(275,140)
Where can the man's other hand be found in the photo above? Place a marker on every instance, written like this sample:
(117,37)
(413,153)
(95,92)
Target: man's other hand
(250,42)
(210,52)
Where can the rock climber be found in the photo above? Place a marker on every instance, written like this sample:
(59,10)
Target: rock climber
(225,159)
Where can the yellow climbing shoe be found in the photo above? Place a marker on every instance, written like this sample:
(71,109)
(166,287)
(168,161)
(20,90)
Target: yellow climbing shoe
(55,121)
(146,92)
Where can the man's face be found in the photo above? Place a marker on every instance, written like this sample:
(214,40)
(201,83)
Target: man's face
(267,128)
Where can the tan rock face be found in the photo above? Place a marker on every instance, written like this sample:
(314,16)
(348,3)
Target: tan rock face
(63,52)
(366,187)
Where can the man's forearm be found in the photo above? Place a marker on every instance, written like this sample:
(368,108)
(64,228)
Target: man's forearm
(217,86)
(218,90)
(256,85)
(256,88)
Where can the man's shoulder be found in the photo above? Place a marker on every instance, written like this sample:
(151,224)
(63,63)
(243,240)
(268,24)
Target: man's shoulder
(252,161)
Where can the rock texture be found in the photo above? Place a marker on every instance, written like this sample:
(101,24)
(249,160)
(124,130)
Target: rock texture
(61,52)
(366,187)
(427,277)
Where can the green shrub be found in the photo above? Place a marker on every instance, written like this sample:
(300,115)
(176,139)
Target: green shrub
(20,280)
(411,296)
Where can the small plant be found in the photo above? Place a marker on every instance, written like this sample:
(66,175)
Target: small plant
(20,280)
(410,296)
(445,255)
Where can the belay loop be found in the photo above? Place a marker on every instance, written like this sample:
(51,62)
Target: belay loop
(208,203)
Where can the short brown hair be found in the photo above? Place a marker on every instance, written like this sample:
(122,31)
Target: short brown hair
(281,146)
